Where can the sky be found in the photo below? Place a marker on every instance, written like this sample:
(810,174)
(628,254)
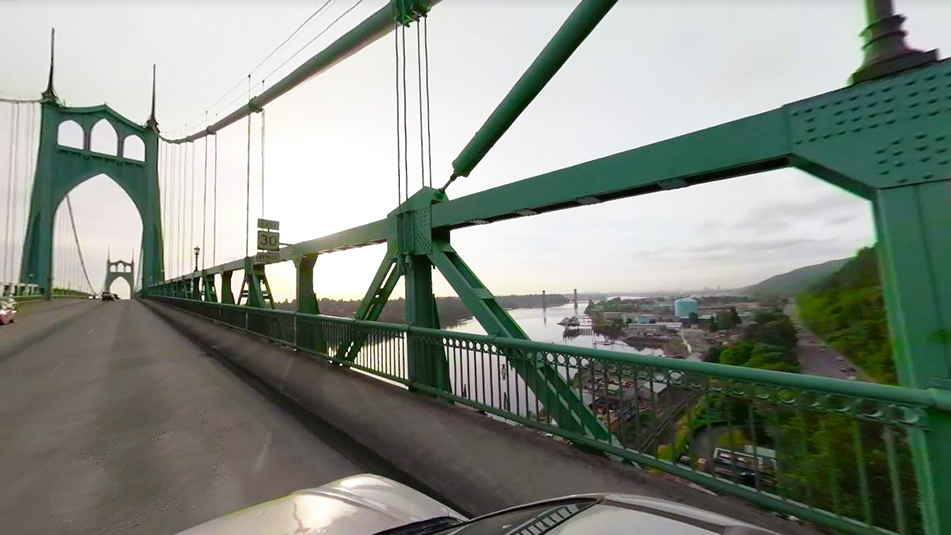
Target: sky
(650,71)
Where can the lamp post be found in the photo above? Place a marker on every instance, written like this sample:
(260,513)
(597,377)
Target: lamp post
(197,250)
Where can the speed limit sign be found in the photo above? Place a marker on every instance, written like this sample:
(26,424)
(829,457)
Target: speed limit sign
(268,241)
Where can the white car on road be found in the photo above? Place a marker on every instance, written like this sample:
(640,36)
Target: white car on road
(373,505)
(8,310)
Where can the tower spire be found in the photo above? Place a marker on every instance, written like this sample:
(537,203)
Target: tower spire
(152,124)
(50,95)
(885,50)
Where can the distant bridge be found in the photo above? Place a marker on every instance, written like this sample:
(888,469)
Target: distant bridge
(855,457)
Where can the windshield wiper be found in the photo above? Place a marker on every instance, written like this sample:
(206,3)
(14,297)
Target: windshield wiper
(424,527)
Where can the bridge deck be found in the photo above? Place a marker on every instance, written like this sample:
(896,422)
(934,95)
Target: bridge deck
(111,421)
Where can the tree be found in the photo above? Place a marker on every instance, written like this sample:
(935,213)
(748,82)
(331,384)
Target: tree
(694,318)
(713,323)
(735,316)
(724,322)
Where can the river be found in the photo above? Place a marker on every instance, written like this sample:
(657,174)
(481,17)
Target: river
(541,325)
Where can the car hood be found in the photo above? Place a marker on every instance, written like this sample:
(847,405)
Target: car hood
(356,505)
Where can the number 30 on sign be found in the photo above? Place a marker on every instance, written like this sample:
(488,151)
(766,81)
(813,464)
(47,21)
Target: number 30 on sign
(268,241)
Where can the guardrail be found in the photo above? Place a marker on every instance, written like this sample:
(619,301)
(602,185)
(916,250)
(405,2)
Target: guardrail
(24,293)
(21,292)
(830,451)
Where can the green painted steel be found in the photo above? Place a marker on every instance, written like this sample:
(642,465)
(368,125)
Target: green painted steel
(566,40)
(307,304)
(24,293)
(227,295)
(561,401)
(20,290)
(255,290)
(59,169)
(786,406)
(119,269)
(370,30)
(208,288)
(886,138)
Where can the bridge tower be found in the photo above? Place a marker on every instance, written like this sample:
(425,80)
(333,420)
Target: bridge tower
(120,269)
(61,168)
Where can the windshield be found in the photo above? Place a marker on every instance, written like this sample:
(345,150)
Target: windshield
(530,520)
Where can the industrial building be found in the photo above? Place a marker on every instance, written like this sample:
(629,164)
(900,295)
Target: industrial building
(684,306)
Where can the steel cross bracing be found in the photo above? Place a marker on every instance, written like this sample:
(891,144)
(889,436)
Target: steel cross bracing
(887,138)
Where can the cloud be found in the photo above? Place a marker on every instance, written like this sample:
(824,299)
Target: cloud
(784,215)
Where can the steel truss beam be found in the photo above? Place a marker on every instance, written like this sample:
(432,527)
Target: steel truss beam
(887,140)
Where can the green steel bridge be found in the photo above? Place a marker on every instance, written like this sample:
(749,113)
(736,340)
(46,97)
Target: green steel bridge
(849,456)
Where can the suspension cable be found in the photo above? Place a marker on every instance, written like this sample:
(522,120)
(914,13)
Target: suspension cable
(191,205)
(79,249)
(405,121)
(322,32)
(8,100)
(262,162)
(181,211)
(258,66)
(214,217)
(247,190)
(31,156)
(169,153)
(7,247)
(429,134)
(399,169)
(173,210)
(176,223)
(419,86)
(164,192)
(204,199)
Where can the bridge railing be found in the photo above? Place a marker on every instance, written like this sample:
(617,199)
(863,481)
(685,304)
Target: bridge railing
(831,451)
(32,292)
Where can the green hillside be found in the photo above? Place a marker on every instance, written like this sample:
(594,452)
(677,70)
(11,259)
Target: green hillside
(797,280)
(847,310)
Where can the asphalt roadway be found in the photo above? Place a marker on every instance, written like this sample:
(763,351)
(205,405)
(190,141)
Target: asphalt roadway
(114,419)
(817,358)
(113,422)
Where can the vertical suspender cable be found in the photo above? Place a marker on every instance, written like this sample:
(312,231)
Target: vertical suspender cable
(262,158)
(247,190)
(181,211)
(186,203)
(405,127)
(7,248)
(396,50)
(15,164)
(191,205)
(204,199)
(178,209)
(419,85)
(214,216)
(173,211)
(182,250)
(175,214)
(79,249)
(169,199)
(27,182)
(429,134)
(164,192)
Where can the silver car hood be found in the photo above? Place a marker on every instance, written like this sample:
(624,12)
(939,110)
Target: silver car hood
(356,505)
